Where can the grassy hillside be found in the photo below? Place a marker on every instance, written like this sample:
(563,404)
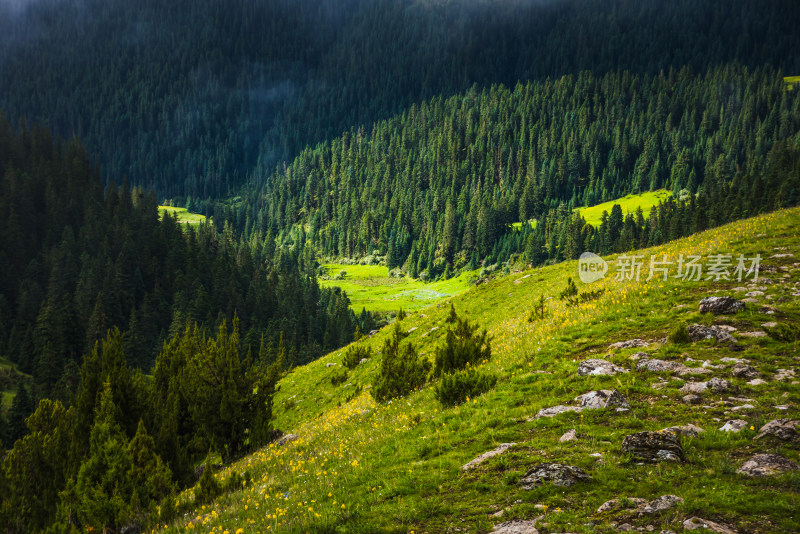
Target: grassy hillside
(371,287)
(629,204)
(362,467)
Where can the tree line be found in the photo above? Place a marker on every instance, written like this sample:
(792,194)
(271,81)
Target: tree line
(190,98)
(436,188)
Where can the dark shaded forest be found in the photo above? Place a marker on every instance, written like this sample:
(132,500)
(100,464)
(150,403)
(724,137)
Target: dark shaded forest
(188,97)
(436,188)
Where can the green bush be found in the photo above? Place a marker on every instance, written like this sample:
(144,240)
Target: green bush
(354,354)
(463,346)
(679,336)
(456,388)
(401,371)
(209,488)
(538,311)
(570,291)
(339,378)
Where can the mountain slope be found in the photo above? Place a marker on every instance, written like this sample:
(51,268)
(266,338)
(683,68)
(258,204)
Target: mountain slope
(358,466)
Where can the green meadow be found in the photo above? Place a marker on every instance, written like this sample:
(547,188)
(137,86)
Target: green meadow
(358,466)
(182,214)
(791,82)
(371,287)
(629,204)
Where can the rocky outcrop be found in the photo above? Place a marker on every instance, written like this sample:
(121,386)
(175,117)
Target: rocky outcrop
(600,399)
(785,429)
(558,474)
(653,447)
(569,435)
(688,430)
(721,305)
(288,438)
(763,465)
(695,523)
(717,385)
(698,332)
(661,366)
(486,455)
(552,411)
(734,425)
(744,371)
(641,506)
(599,367)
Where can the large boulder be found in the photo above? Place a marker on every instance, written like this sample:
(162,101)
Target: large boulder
(762,465)
(785,429)
(721,305)
(558,474)
(604,398)
(598,366)
(653,447)
(698,332)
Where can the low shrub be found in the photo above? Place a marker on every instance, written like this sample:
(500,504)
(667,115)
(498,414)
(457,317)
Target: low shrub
(402,370)
(354,354)
(460,386)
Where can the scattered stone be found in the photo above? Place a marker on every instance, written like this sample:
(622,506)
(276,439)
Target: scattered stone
(692,399)
(616,504)
(785,429)
(694,387)
(288,438)
(718,385)
(629,344)
(754,294)
(639,355)
(517,526)
(555,410)
(411,329)
(486,455)
(363,360)
(698,332)
(599,367)
(741,370)
(783,255)
(743,407)
(721,305)
(734,425)
(373,332)
(603,398)
(558,474)
(762,465)
(695,523)
(757,333)
(653,446)
(660,504)
(659,366)
(569,435)
(771,324)
(784,374)
(728,359)
(757,382)
(689,430)
(329,364)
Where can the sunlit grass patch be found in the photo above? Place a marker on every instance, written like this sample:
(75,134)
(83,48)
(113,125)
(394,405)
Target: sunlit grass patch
(182,214)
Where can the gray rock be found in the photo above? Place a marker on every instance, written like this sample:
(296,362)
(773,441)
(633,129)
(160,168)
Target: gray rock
(742,408)
(694,387)
(756,333)
(569,435)
(329,364)
(653,446)
(629,344)
(660,366)
(718,385)
(692,399)
(486,455)
(555,410)
(689,430)
(721,305)
(288,438)
(363,360)
(757,382)
(517,526)
(734,425)
(603,398)
(784,374)
(616,504)
(762,465)
(785,429)
(698,332)
(558,474)
(661,504)
(695,523)
(744,371)
(597,366)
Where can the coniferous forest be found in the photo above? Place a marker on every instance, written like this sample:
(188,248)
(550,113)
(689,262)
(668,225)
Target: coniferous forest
(142,351)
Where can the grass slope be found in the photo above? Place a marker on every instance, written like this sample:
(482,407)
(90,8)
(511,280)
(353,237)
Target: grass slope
(360,467)
(629,204)
(182,214)
(791,82)
(371,287)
